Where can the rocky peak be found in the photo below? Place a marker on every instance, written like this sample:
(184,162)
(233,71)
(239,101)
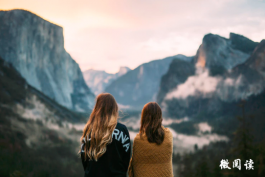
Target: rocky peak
(257,59)
(216,51)
(123,70)
(242,43)
(228,73)
(98,80)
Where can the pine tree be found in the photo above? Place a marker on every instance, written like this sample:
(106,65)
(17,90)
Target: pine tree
(176,158)
(202,169)
(185,169)
(243,141)
(260,160)
(196,147)
(217,172)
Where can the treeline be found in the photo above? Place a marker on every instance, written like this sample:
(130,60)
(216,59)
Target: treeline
(53,155)
(19,160)
(245,144)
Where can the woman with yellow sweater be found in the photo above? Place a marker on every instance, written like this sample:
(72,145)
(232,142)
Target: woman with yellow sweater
(152,147)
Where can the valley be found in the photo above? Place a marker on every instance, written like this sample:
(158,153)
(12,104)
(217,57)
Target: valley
(211,101)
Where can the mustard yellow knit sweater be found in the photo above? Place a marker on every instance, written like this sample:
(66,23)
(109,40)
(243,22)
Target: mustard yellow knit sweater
(150,159)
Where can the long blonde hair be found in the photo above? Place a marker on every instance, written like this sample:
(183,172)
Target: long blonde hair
(98,129)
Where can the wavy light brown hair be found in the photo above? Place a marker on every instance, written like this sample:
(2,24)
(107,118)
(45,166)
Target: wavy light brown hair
(151,123)
(99,127)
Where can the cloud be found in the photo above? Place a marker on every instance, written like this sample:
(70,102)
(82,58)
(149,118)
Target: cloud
(230,89)
(200,84)
(185,143)
(204,127)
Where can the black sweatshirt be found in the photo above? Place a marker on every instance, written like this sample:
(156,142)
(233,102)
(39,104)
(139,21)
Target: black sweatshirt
(115,161)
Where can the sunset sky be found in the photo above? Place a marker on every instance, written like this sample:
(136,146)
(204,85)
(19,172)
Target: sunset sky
(107,34)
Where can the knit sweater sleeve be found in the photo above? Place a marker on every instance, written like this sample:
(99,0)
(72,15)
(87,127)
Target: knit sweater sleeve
(130,170)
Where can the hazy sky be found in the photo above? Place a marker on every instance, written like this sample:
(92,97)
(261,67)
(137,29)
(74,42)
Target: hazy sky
(107,34)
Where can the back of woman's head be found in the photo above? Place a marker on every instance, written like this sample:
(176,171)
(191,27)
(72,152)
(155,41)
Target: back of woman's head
(99,127)
(151,123)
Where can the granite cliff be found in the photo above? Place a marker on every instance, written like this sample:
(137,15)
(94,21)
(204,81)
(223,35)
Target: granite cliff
(35,127)
(219,52)
(223,71)
(35,47)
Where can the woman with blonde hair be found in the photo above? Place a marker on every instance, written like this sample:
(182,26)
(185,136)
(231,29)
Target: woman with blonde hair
(152,146)
(105,149)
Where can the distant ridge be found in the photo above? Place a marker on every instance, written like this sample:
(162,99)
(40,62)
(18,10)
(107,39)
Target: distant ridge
(98,80)
(141,85)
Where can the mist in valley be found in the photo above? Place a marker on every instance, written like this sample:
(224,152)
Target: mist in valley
(212,96)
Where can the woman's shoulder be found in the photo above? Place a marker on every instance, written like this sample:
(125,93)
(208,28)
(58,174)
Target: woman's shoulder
(139,138)
(167,131)
(121,126)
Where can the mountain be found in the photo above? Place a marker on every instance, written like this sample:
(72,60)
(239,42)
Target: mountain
(218,52)
(178,72)
(256,61)
(36,135)
(223,71)
(21,98)
(141,85)
(35,47)
(98,80)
